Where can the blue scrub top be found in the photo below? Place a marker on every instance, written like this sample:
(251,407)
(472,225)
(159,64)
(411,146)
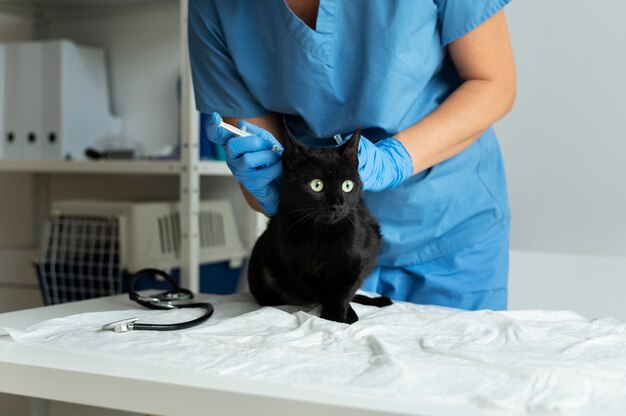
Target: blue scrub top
(380,65)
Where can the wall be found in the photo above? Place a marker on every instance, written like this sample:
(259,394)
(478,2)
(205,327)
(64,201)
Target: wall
(590,285)
(565,151)
(565,142)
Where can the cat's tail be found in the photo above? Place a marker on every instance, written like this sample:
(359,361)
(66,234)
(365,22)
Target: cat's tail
(380,301)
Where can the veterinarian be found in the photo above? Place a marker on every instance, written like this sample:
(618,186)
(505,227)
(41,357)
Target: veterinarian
(424,79)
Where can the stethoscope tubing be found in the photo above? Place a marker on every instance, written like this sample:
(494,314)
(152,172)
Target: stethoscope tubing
(137,326)
(164,301)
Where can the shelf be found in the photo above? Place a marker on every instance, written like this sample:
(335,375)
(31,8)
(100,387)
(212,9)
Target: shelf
(139,167)
(102,167)
(83,7)
(214,168)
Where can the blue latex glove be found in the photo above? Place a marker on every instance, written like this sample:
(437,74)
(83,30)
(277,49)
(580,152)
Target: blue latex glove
(251,160)
(384,164)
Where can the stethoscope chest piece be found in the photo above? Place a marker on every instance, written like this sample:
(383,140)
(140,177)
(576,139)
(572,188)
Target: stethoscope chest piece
(124,325)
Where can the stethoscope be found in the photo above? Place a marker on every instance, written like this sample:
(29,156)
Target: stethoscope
(175,298)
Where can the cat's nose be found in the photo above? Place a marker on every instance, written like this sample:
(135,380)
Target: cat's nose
(337,211)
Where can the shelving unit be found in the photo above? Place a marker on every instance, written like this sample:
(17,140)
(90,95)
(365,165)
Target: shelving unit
(74,7)
(189,169)
(112,167)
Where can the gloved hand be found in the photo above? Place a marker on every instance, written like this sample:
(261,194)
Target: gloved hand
(251,160)
(384,164)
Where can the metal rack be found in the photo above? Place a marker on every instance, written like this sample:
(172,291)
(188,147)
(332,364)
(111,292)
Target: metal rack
(189,169)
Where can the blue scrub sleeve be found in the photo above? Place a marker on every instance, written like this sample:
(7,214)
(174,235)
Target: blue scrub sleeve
(459,17)
(216,80)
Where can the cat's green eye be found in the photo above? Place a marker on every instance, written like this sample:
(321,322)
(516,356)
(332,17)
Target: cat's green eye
(347,186)
(317,185)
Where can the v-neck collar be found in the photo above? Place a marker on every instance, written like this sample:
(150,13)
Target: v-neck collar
(318,42)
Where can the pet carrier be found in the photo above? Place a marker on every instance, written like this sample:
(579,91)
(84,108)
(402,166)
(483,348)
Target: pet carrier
(89,247)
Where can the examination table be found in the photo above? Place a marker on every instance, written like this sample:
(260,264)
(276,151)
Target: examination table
(404,359)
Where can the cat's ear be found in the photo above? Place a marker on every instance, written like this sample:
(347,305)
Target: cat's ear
(351,147)
(294,151)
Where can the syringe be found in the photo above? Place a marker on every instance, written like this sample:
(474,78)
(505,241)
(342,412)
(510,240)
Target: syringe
(244,133)
(233,129)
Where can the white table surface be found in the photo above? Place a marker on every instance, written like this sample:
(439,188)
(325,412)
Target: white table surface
(119,384)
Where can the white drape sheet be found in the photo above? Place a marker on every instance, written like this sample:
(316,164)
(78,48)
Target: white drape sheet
(519,360)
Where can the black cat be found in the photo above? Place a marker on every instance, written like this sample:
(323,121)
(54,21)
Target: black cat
(323,241)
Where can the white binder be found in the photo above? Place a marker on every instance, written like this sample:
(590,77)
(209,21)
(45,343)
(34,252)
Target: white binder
(31,68)
(51,110)
(56,100)
(84,91)
(13,134)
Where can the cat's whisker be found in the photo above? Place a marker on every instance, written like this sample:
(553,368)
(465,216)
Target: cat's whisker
(298,216)
(313,214)
(302,220)
(314,222)
(299,212)
(294,211)
(349,217)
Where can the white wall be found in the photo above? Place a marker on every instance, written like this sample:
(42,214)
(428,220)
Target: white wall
(565,141)
(564,146)
(591,285)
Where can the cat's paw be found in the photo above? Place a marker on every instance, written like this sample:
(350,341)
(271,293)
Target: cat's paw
(351,316)
(325,314)
(380,301)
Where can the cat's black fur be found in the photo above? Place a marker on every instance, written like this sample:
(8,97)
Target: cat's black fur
(320,246)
